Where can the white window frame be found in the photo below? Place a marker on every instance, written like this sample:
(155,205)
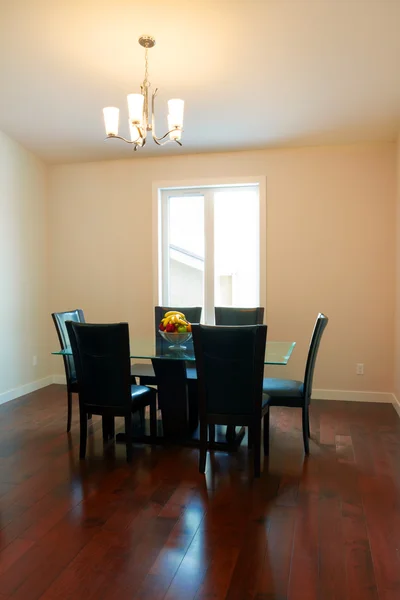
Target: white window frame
(159,230)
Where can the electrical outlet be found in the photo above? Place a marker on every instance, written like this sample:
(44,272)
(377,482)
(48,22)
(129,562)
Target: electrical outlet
(360,368)
(34,361)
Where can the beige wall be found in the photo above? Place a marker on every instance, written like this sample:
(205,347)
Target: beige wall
(330,247)
(397,311)
(24,316)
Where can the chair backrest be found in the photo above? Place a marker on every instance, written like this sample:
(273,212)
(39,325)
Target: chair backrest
(319,327)
(192,314)
(60,319)
(226,315)
(230,368)
(103,366)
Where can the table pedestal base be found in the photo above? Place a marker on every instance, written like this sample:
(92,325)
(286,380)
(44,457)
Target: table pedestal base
(226,438)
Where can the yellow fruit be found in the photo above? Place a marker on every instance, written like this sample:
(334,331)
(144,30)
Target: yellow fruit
(170,313)
(181,321)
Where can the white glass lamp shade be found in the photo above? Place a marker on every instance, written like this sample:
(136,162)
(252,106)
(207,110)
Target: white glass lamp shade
(174,134)
(175,112)
(135,108)
(111,120)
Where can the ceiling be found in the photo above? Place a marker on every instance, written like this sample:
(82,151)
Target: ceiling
(253,73)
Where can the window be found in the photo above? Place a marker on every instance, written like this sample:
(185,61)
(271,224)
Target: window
(210,247)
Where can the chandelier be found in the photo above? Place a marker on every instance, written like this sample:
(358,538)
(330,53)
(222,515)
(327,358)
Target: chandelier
(141,114)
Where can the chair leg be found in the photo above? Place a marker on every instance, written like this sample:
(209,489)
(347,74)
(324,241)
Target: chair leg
(203,447)
(108,426)
(256,435)
(69,417)
(308,421)
(306,425)
(142,417)
(128,437)
(230,433)
(211,434)
(83,434)
(153,418)
(266,433)
(249,438)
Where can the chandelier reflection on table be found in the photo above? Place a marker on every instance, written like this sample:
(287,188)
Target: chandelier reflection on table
(141,114)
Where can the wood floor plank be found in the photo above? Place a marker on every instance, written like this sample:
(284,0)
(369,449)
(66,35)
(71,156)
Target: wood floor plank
(303,584)
(250,563)
(381,505)
(13,552)
(274,578)
(169,559)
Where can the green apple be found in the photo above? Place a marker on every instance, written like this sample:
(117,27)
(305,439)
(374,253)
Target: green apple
(182,329)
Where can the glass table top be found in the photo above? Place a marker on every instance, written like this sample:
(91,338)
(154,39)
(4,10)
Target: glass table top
(276,353)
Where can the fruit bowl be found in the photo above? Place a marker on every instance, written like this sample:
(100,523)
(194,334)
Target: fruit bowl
(176,339)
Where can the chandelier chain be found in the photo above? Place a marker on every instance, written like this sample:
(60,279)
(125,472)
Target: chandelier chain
(146,68)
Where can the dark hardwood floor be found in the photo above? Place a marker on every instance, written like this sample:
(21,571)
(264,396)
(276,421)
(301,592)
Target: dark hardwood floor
(323,528)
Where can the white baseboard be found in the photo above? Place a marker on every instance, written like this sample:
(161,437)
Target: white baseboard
(25,389)
(353,396)
(396,404)
(344,395)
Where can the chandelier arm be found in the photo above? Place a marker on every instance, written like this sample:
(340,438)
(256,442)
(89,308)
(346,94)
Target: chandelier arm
(159,141)
(119,137)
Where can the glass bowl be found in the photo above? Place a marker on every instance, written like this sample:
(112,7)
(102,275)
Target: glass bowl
(176,339)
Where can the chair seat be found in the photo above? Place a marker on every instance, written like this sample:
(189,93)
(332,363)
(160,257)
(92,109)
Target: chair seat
(146,370)
(141,396)
(283,388)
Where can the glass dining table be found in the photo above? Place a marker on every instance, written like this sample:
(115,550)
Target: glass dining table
(276,353)
(183,415)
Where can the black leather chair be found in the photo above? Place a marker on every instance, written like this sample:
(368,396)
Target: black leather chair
(102,360)
(226,315)
(288,392)
(59,319)
(230,370)
(145,372)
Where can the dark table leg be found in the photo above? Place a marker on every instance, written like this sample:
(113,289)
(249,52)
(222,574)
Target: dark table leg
(193,404)
(173,396)
(230,433)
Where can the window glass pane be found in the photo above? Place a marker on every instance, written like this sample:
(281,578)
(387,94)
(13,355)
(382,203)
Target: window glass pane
(186,250)
(236,248)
